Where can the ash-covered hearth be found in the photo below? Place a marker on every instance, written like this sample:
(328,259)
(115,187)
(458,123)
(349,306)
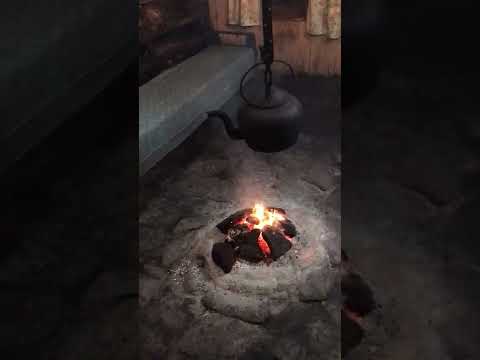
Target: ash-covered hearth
(254,234)
(284,302)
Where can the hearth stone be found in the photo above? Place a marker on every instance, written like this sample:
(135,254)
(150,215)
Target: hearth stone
(233,219)
(224,256)
(276,241)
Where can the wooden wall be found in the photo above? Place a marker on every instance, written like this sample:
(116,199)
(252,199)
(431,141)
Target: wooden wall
(307,54)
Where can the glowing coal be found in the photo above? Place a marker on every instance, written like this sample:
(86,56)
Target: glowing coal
(255,234)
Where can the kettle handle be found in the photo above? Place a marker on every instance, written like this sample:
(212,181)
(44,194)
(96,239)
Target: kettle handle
(242,93)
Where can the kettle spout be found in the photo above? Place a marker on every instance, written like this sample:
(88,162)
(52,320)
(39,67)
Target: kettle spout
(232,130)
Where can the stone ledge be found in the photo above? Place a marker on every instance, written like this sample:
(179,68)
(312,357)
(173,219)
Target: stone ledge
(174,104)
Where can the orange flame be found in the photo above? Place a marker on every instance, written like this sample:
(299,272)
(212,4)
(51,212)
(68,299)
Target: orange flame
(265,217)
(262,244)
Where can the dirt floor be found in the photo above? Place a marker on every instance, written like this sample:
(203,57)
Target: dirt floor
(409,208)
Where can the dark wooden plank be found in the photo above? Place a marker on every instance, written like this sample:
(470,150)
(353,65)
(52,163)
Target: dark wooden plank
(291,44)
(325,56)
(221,18)
(212,11)
(290,9)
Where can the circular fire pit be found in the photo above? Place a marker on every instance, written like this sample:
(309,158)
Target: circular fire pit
(254,235)
(252,267)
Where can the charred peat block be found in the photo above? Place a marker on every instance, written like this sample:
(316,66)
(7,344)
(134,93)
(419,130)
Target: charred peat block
(248,247)
(234,234)
(253,237)
(288,228)
(233,219)
(277,242)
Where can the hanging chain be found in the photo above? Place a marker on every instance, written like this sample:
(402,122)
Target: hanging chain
(267,48)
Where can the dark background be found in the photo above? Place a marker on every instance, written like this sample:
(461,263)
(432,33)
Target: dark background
(68,228)
(410,172)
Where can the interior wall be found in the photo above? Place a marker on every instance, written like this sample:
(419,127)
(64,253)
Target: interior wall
(316,55)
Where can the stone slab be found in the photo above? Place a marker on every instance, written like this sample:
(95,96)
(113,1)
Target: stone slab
(175,103)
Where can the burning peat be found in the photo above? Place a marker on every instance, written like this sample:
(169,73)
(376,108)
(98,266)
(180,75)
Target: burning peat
(256,234)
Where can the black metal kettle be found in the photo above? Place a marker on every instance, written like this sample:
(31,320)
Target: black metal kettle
(269,120)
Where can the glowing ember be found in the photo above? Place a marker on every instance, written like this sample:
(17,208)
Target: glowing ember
(258,219)
(254,234)
(262,244)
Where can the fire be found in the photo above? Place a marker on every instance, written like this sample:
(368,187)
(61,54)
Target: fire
(262,244)
(258,219)
(265,217)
